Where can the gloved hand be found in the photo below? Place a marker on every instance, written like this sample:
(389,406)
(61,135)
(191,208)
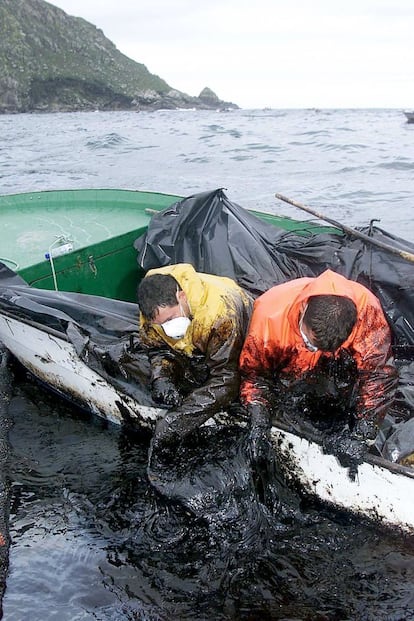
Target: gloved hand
(164,392)
(366,429)
(160,451)
(166,431)
(259,435)
(349,449)
(259,446)
(260,452)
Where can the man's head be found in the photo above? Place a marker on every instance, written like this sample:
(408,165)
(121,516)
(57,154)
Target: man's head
(163,302)
(327,321)
(160,294)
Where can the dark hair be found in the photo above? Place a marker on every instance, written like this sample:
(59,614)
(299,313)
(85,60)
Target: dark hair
(154,291)
(331,319)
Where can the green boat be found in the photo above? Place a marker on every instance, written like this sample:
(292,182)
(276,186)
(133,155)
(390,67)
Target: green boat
(96,229)
(78,243)
(71,261)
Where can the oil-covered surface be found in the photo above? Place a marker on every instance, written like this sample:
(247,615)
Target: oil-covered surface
(91,538)
(6,382)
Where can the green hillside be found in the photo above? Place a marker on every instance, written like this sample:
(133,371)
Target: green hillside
(50,61)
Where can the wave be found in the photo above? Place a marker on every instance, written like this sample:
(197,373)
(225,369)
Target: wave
(108,141)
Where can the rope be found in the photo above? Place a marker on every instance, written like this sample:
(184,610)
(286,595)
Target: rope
(59,241)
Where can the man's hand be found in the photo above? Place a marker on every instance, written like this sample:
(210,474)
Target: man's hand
(261,453)
(349,449)
(259,446)
(366,429)
(164,392)
(259,435)
(166,431)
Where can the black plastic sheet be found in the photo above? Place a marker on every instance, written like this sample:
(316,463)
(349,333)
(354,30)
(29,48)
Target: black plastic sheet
(104,332)
(219,237)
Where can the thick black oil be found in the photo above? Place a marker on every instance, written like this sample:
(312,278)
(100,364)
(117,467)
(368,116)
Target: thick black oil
(91,538)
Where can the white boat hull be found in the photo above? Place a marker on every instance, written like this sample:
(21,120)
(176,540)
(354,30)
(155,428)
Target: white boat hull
(55,362)
(380,492)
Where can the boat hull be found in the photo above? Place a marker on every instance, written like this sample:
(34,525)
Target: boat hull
(54,361)
(381,491)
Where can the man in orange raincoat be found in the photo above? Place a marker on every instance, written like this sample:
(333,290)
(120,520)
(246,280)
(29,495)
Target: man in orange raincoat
(299,330)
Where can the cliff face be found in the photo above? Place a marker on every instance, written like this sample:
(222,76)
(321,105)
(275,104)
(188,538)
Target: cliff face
(52,62)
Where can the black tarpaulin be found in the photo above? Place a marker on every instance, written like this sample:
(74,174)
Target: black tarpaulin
(220,237)
(101,316)
(104,332)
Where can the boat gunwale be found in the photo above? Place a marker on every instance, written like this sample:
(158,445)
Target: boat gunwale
(37,325)
(373,460)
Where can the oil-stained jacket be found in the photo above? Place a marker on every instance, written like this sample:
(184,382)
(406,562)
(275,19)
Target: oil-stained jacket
(274,347)
(220,313)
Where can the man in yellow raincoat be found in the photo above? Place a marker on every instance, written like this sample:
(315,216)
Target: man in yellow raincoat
(193,325)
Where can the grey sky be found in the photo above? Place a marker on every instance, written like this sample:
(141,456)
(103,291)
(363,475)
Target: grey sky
(268,53)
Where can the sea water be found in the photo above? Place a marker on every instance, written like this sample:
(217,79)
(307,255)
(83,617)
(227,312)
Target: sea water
(91,539)
(351,165)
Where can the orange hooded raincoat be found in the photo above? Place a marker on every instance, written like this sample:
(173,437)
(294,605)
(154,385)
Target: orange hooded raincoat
(274,347)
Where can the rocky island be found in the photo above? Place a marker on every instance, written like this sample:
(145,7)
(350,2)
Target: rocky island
(53,62)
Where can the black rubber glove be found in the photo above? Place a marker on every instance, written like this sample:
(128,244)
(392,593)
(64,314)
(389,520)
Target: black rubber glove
(161,452)
(167,430)
(164,392)
(259,443)
(261,453)
(366,429)
(259,435)
(348,448)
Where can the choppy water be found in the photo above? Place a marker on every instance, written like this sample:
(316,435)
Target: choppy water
(353,165)
(91,539)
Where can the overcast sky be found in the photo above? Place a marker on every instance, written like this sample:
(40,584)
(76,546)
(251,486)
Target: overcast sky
(268,53)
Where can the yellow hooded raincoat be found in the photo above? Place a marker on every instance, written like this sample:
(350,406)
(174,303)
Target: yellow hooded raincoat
(220,312)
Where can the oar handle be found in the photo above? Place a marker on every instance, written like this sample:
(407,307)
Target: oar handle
(408,256)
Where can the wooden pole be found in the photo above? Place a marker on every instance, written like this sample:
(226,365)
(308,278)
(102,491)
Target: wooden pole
(408,256)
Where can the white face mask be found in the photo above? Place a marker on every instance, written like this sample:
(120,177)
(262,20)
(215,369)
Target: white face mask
(309,346)
(177,327)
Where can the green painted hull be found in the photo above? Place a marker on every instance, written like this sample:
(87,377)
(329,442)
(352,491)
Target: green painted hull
(102,224)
